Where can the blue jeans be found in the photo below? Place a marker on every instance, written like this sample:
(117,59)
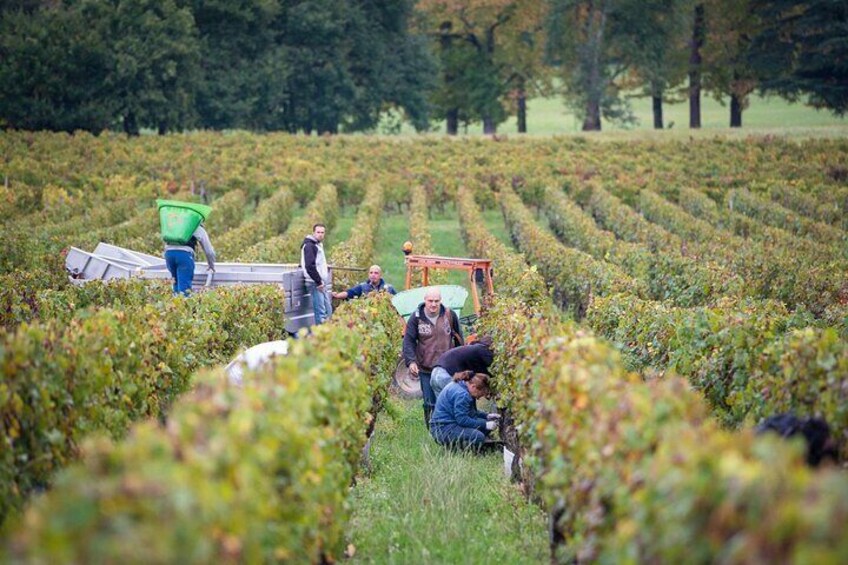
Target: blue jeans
(427,391)
(453,435)
(181,266)
(439,379)
(320,303)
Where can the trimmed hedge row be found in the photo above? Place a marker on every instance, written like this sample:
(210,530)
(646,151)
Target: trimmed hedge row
(358,249)
(775,215)
(253,474)
(285,248)
(512,275)
(25,247)
(574,276)
(772,267)
(227,213)
(638,472)
(670,276)
(102,369)
(272,216)
(808,205)
(750,359)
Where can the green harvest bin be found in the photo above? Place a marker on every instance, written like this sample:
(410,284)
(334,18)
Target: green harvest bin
(178,220)
(453,296)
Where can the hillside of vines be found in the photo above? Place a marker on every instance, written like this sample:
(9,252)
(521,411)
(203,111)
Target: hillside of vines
(654,301)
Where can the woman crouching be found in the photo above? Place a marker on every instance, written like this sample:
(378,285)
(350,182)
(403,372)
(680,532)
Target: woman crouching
(456,422)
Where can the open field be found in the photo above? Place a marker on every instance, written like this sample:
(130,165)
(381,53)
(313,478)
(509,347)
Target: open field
(764,116)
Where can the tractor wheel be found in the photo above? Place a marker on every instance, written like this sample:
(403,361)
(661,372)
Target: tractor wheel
(404,384)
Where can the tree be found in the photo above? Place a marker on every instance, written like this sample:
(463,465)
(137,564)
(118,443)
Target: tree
(156,64)
(653,35)
(584,45)
(244,64)
(730,25)
(802,50)
(54,70)
(696,44)
(487,48)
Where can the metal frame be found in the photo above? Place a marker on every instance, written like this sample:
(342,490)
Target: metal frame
(471,266)
(112,262)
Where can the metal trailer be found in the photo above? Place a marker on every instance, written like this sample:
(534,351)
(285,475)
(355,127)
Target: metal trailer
(112,262)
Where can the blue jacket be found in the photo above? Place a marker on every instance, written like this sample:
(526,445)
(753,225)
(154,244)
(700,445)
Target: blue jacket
(366,287)
(455,405)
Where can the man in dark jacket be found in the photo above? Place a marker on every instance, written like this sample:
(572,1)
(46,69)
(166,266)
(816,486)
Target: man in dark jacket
(475,357)
(375,282)
(431,330)
(316,272)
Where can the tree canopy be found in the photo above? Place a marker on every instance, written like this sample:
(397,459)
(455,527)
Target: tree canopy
(327,66)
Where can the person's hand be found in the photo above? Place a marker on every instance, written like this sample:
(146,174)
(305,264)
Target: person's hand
(338,295)
(321,287)
(413,369)
(491,425)
(493,416)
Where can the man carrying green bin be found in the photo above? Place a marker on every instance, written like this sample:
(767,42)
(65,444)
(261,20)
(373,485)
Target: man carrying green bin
(182,228)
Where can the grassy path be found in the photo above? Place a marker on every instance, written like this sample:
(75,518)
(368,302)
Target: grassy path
(421,503)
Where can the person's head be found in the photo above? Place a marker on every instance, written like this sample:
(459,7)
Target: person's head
(375,273)
(432,301)
(318,231)
(485,340)
(815,432)
(478,383)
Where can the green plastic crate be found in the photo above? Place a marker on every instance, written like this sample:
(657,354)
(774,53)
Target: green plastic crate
(178,220)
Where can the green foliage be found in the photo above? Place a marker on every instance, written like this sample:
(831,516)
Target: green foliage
(98,370)
(800,51)
(607,452)
(259,473)
(285,248)
(272,217)
(670,276)
(750,359)
(358,249)
(574,276)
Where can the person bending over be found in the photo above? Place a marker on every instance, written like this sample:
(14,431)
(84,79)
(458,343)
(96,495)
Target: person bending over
(475,357)
(456,422)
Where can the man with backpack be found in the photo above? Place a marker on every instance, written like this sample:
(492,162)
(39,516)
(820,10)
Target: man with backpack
(430,331)
(182,229)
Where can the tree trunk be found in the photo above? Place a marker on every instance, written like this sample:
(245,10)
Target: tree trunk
(592,121)
(658,108)
(453,121)
(695,67)
(735,111)
(522,111)
(595,27)
(130,124)
(489,126)
(445,44)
